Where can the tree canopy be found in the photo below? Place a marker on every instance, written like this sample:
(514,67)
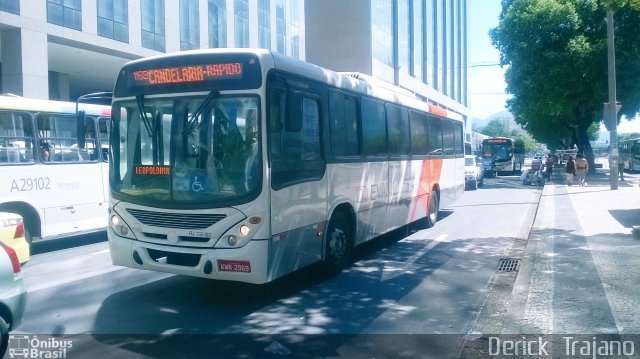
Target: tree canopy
(555,54)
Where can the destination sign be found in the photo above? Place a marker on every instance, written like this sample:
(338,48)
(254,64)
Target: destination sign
(145,170)
(184,74)
(497,140)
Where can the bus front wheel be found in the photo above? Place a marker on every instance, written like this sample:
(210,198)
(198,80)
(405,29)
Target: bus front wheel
(338,243)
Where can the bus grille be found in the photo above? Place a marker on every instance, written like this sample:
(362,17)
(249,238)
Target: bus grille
(176,220)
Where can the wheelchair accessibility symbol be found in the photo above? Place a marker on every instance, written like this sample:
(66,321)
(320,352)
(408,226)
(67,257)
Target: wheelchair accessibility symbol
(196,186)
(199,183)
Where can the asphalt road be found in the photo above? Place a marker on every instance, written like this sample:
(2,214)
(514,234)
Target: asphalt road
(412,291)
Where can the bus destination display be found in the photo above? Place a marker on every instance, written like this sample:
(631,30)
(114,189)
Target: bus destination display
(187,74)
(497,140)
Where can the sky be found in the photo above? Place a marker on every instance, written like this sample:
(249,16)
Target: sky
(485,76)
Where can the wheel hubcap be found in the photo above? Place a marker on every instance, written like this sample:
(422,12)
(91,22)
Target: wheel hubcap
(338,244)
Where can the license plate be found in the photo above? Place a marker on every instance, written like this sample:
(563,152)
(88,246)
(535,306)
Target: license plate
(234,266)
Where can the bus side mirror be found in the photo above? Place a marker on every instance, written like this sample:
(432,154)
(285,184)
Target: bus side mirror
(81,132)
(293,121)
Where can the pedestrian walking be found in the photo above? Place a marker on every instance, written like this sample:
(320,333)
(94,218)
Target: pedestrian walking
(551,160)
(582,166)
(571,170)
(621,170)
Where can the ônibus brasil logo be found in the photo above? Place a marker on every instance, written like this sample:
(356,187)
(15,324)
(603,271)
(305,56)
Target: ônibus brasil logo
(32,347)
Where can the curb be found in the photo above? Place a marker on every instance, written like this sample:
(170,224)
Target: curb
(519,293)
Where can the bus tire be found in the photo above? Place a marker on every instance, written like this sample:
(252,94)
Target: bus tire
(4,336)
(338,243)
(434,207)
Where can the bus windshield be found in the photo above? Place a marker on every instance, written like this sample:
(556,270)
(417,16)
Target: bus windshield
(500,152)
(186,150)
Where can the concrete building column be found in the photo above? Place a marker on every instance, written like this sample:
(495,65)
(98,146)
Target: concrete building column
(25,68)
(172,25)
(59,86)
(89,17)
(203,15)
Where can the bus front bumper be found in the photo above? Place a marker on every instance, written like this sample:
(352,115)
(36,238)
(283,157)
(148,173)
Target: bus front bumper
(246,264)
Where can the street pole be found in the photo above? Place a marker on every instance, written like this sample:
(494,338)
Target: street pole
(613,116)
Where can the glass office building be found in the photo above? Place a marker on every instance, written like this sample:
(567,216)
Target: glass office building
(420,45)
(60,49)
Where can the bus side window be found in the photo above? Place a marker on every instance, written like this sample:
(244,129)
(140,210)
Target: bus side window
(103,138)
(277,104)
(16,137)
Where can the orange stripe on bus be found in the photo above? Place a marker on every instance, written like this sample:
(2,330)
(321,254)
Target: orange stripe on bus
(438,111)
(429,177)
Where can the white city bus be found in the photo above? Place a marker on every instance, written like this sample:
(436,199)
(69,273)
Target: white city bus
(246,165)
(629,154)
(502,155)
(54,165)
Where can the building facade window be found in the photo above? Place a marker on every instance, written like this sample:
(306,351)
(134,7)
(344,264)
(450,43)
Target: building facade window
(189,25)
(417,40)
(430,54)
(281,27)
(113,19)
(382,30)
(264,24)
(153,35)
(217,23)
(404,35)
(451,49)
(457,46)
(241,15)
(463,52)
(12,6)
(439,44)
(295,30)
(67,13)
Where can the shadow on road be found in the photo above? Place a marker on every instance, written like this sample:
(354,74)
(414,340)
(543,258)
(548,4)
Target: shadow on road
(310,314)
(57,244)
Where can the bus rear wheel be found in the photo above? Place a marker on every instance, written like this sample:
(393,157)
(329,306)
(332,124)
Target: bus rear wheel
(338,243)
(432,215)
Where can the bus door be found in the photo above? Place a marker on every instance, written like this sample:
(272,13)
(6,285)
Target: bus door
(298,185)
(103,152)
(73,177)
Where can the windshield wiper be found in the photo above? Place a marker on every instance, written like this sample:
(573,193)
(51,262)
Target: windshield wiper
(143,114)
(194,116)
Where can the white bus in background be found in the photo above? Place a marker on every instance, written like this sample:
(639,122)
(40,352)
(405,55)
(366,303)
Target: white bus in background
(54,165)
(629,155)
(246,165)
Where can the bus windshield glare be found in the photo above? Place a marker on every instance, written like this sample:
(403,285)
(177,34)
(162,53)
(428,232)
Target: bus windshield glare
(186,150)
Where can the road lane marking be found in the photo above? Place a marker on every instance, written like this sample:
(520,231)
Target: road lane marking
(99,252)
(393,269)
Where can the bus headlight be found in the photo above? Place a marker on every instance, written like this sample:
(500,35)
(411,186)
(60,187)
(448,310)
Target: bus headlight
(120,228)
(240,234)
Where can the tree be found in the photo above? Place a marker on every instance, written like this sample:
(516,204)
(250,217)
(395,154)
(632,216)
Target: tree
(555,52)
(496,128)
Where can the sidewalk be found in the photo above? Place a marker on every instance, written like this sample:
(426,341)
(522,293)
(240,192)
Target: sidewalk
(581,268)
